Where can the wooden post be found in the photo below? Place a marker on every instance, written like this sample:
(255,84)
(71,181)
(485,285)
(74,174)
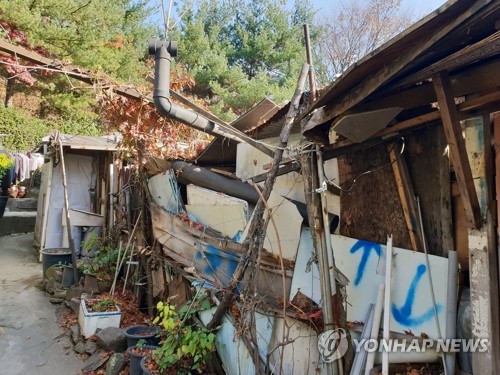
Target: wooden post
(407,197)
(458,153)
(66,208)
(483,255)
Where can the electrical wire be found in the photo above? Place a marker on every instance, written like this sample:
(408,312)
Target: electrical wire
(331,183)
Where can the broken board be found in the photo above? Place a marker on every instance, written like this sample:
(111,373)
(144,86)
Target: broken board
(411,303)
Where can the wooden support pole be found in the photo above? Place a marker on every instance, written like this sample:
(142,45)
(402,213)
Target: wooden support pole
(483,253)
(254,242)
(458,153)
(66,208)
(407,196)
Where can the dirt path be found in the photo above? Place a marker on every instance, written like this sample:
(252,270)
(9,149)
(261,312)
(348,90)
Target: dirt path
(31,342)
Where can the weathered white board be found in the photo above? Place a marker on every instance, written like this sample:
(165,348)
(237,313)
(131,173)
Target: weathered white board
(305,274)
(301,356)
(229,220)
(199,196)
(283,231)
(165,191)
(222,212)
(411,302)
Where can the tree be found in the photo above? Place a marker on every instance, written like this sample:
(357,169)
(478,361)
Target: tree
(107,37)
(354,29)
(240,52)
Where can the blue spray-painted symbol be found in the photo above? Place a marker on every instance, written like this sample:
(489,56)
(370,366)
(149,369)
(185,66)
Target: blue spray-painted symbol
(403,315)
(367,248)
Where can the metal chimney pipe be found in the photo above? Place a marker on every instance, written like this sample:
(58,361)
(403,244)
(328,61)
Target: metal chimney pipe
(163,52)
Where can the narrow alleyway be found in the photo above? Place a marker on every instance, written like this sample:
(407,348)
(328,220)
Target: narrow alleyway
(31,342)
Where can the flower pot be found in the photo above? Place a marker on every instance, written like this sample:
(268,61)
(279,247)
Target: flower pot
(21,192)
(68,276)
(51,257)
(135,359)
(145,371)
(91,321)
(150,334)
(3,204)
(13,191)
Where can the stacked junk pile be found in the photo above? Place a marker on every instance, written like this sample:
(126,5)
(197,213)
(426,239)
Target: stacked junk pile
(307,223)
(352,232)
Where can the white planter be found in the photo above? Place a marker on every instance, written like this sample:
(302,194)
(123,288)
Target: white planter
(91,321)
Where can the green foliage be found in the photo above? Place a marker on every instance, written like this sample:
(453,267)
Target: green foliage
(5,164)
(108,36)
(24,132)
(240,52)
(184,339)
(103,263)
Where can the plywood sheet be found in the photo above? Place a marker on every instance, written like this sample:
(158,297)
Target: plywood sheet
(411,302)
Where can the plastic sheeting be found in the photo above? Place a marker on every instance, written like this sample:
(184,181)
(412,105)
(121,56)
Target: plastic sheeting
(80,175)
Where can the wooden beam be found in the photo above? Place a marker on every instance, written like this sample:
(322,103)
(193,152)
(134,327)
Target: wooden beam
(474,79)
(458,153)
(481,50)
(356,93)
(407,197)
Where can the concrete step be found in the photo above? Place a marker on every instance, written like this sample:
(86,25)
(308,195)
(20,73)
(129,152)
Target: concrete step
(17,222)
(22,204)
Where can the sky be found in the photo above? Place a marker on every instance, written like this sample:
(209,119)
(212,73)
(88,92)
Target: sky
(420,7)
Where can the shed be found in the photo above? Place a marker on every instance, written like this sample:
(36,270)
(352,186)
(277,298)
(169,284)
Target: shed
(89,164)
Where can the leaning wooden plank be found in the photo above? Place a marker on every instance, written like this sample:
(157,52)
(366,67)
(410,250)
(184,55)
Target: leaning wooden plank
(407,196)
(458,152)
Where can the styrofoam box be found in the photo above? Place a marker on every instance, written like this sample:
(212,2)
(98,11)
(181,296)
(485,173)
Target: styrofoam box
(91,321)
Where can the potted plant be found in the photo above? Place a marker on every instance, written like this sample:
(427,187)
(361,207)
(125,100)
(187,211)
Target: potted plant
(149,334)
(136,353)
(5,164)
(99,270)
(187,345)
(100,312)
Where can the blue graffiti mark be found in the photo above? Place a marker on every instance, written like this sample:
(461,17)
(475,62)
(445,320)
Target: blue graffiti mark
(367,248)
(403,315)
(215,264)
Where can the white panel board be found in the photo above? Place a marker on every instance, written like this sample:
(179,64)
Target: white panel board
(306,278)
(411,302)
(198,196)
(299,357)
(229,220)
(165,191)
(233,353)
(288,222)
(250,162)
